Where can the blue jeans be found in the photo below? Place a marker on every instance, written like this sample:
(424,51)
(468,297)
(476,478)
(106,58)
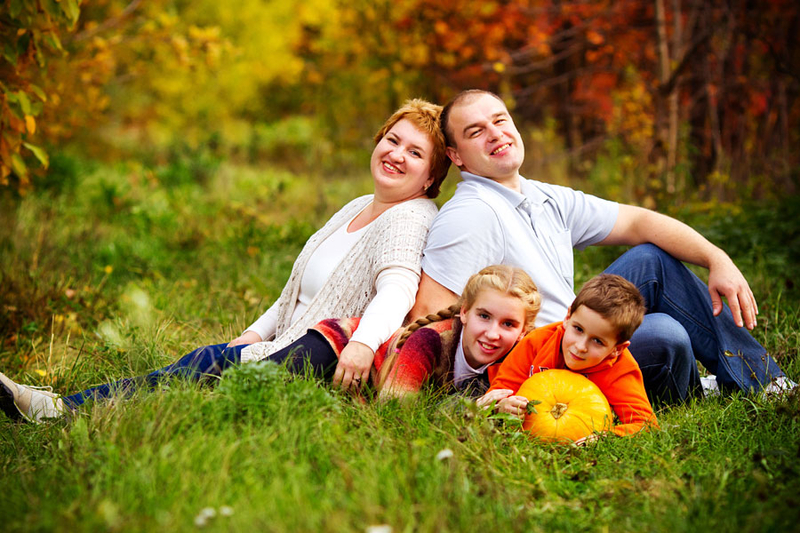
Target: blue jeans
(680,327)
(207,363)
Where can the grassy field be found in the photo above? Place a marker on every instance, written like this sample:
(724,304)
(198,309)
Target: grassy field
(112,271)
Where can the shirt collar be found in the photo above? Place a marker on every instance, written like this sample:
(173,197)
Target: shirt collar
(531,196)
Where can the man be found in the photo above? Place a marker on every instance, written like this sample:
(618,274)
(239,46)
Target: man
(497,216)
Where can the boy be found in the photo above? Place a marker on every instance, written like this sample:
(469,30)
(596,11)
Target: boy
(592,340)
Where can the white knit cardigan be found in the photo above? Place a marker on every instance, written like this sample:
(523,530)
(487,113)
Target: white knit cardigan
(396,238)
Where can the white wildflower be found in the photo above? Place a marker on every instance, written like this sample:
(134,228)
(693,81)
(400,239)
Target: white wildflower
(447,453)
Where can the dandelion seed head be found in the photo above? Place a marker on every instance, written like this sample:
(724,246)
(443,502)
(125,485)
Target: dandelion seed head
(382,528)
(447,453)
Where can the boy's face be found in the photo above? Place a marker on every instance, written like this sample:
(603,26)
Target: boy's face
(589,339)
(492,326)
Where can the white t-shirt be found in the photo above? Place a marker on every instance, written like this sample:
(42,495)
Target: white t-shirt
(485,223)
(395,290)
(322,263)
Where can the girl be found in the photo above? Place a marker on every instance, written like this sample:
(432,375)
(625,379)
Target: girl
(458,347)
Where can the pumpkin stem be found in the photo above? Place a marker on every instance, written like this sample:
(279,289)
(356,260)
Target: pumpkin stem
(558,410)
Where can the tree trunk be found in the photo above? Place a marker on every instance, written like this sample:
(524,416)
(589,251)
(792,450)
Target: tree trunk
(664,113)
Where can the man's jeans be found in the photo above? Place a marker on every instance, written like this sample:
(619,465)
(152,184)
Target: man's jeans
(680,327)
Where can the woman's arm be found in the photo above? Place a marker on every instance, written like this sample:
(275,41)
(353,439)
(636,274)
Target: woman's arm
(260,330)
(395,290)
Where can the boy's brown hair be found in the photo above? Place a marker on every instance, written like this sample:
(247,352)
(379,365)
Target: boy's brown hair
(615,299)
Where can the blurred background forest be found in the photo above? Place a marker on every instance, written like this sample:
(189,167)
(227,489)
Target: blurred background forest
(650,101)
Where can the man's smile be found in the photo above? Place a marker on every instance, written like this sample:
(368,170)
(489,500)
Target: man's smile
(500,149)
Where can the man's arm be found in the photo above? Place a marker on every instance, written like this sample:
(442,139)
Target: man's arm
(636,225)
(431,297)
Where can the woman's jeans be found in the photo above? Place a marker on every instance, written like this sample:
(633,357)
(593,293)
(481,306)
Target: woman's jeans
(680,327)
(208,362)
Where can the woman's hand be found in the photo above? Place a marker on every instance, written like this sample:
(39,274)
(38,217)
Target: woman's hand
(354,365)
(248,337)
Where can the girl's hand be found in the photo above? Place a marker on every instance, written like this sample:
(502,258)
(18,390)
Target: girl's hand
(248,337)
(496,395)
(354,365)
(514,405)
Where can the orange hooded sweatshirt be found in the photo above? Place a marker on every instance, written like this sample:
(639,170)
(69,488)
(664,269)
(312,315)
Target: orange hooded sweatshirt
(619,378)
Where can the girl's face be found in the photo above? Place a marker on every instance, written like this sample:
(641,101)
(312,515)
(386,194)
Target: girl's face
(492,326)
(401,163)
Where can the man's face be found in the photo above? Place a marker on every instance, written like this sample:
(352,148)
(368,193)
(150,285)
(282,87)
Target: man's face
(487,142)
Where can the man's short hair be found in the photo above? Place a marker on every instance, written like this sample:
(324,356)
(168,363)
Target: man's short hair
(464,97)
(615,299)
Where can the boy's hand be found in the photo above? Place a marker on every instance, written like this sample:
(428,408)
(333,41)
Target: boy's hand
(514,405)
(589,439)
(493,396)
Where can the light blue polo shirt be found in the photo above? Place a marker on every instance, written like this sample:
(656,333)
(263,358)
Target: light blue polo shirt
(485,223)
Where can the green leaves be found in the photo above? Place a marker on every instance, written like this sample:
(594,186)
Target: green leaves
(39,153)
(531,407)
(28,31)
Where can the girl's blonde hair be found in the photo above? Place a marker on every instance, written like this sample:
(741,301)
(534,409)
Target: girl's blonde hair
(505,279)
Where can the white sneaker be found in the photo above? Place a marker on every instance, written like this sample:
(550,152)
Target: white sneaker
(30,403)
(779,386)
(710,386)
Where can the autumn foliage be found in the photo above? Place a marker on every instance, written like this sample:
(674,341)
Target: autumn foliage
(679,95)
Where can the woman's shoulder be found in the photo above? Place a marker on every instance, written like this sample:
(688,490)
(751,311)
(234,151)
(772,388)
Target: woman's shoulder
(422,209)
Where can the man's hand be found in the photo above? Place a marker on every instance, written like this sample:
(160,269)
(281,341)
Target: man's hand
(248,337)
(636,225)
(725,280)
(354,365)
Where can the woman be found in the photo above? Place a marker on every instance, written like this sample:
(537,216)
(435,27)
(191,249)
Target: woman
(365,261)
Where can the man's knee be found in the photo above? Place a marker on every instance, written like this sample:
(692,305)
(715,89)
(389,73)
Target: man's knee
(663,349)
(647,254)
(662,339)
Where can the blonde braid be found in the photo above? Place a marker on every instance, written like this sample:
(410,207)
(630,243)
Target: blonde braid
(442,314)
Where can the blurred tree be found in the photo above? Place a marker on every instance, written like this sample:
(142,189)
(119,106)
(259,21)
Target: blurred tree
(30,35)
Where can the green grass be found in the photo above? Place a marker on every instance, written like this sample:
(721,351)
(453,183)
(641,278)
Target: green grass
(123,268)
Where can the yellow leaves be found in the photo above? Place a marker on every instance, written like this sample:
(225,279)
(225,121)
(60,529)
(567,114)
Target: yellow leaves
(633,115)
(30,124)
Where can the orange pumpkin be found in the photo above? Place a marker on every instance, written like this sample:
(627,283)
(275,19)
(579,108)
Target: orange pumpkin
(567,406)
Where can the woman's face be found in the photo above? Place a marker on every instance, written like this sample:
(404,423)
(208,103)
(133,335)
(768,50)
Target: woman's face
(401,163)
